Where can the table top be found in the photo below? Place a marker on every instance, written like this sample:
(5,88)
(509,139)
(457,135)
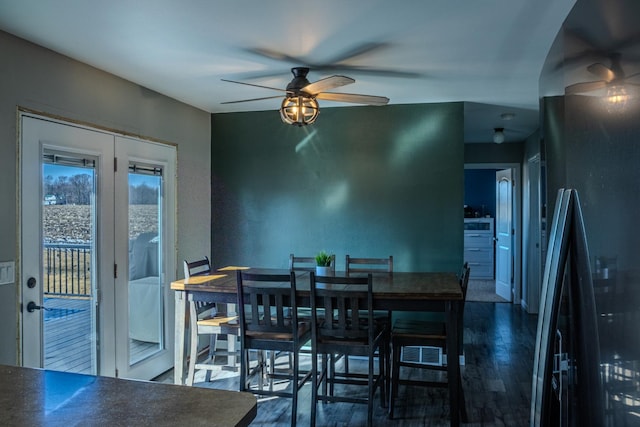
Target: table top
(36,397)
(396,285)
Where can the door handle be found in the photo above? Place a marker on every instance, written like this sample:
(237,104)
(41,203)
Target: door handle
(32,306)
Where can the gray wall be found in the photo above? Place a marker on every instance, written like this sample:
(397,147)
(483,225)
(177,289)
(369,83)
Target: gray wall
(364,181)
(36,78)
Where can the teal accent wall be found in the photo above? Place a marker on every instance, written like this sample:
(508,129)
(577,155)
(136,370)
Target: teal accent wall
(364,181)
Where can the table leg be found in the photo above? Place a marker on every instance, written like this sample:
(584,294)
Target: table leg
(231,340)
(453,362)
(179,345)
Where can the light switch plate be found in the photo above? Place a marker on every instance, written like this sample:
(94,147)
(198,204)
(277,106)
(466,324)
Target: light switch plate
(7,272)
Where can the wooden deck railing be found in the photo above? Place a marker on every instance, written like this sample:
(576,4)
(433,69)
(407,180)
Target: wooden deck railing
(67,269)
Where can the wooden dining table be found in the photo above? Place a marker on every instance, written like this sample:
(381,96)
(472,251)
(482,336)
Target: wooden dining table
(397,291)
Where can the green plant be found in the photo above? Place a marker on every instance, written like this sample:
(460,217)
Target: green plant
(323,259)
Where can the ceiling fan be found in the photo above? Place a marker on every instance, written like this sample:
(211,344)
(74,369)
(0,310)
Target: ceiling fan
(612,78)
(342,62)
(299,106)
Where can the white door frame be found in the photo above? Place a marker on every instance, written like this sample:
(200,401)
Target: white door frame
(111,363)
(517,222)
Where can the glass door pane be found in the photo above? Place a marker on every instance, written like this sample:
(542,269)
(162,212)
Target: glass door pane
(68,253)
(146,326)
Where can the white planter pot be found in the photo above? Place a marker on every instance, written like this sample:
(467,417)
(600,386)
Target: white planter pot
(323,271)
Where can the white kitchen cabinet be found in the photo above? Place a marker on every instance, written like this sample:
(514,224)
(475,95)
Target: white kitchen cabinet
(479,247)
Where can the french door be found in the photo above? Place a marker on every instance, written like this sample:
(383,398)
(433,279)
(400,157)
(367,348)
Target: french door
(97,250)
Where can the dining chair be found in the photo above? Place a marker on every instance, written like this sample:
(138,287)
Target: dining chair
(368,265)
(267,309)
(340,327)
(209,319)
(374,265)
(430,333)
(298,263)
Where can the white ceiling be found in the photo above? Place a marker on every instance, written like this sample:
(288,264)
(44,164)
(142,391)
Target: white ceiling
(488,53)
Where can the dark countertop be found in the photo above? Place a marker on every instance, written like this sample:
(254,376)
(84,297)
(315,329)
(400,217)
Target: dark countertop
(35,397)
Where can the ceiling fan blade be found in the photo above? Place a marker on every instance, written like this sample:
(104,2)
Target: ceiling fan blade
(584,87)
(345,68)
(353,98)
(254,85)
(327,84)
(357,51)
(336,65)
(253,75)
(602,71)
(339,69)
(252,99)
(274,54)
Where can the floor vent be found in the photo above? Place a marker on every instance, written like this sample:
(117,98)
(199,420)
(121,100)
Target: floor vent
(422,354)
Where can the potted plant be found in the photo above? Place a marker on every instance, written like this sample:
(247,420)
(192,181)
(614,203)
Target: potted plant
(323,263)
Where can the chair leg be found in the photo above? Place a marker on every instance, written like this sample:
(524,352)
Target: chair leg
(463,406)
(231,350)
(193,358)
(294,389)
(331,376)
(372,390)
(388,365)
(326,365)
(244,369)
(314,386)
(212,355)
(271,368)
(382,364)
(395,373)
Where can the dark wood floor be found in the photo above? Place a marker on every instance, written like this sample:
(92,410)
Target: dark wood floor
(499,340)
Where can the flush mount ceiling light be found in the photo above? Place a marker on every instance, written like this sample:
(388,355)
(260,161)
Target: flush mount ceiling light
(498,135)
(300,105)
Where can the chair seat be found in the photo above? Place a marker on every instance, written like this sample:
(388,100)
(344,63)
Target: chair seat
(304,328)
(416,330)
(218,321)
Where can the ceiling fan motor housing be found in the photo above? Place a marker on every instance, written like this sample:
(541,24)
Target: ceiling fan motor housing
(299,79)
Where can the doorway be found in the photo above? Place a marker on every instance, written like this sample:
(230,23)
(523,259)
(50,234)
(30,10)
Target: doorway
(97,248)
(515,203)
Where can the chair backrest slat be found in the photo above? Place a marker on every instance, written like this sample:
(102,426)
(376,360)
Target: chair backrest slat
(197,268)
(368,265)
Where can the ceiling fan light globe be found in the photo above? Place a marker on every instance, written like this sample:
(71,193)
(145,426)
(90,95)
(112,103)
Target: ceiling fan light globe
(299,110)
(616,98)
